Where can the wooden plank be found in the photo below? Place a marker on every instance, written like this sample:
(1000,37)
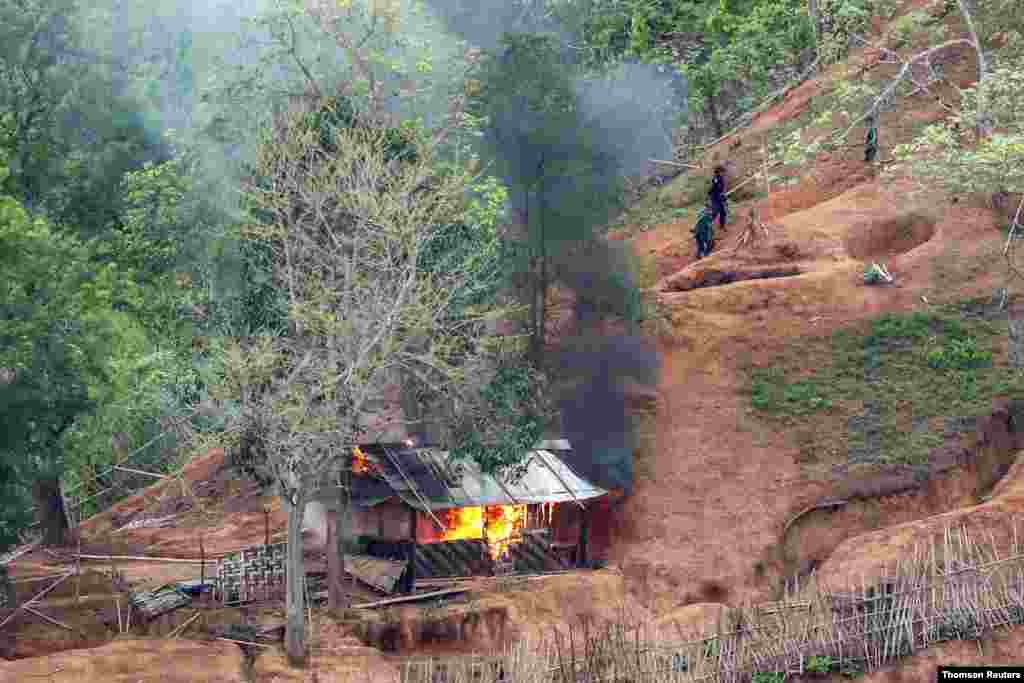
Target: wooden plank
(378,573)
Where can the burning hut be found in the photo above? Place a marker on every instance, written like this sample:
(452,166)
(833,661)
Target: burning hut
(445,519)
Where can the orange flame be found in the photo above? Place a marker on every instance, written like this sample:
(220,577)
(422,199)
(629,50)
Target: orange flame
(360,463)
(503,529)
(463,523)
(499,525)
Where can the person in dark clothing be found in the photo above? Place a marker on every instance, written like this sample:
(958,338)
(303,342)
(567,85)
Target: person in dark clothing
(704,231)
(716,196)
(871,140)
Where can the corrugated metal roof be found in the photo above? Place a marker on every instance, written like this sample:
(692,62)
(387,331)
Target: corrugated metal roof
(425,478)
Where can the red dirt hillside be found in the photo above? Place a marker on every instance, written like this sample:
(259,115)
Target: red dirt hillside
(717,490)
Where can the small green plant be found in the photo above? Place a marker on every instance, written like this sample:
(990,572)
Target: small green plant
(768,677)
(820,665)
(918,369)
(959,354)
(916,24)
(770,392)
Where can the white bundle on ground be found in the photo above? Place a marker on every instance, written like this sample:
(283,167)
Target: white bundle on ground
(876,274)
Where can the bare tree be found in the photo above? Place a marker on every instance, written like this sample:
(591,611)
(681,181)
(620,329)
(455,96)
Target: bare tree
(919,70)
(349,225)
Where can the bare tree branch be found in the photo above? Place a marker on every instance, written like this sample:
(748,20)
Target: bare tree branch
(884,97)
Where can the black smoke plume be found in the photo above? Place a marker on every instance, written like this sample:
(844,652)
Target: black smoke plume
(627,113)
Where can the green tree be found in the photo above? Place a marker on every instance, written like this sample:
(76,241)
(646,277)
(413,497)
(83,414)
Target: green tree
(53,344)
(71,129)
(548,128)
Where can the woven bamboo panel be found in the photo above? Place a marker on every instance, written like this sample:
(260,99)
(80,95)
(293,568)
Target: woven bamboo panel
(256,573)
(470,557)
(452,558)
(534,554)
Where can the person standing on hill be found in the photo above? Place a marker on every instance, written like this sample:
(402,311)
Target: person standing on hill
(716,196)
(871,139)
(704,231)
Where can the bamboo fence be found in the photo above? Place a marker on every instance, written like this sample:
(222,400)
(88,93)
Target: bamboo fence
(955,588)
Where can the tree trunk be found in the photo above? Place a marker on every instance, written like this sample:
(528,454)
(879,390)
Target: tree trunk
(812,11)
(984,119)
(343,535)
(295,573)
(50,504)
(543,304)
(531,284)
(334,562)
(713,111)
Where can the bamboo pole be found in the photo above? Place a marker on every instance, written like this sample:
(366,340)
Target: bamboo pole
(30,579)
(36,598)
(147,474)
(181,627)
(142,558)
(673,163)
(49,619)
(243,642)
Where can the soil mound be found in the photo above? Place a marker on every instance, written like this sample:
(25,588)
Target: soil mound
(876,240)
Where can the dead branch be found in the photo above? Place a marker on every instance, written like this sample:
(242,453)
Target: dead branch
(36,598)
